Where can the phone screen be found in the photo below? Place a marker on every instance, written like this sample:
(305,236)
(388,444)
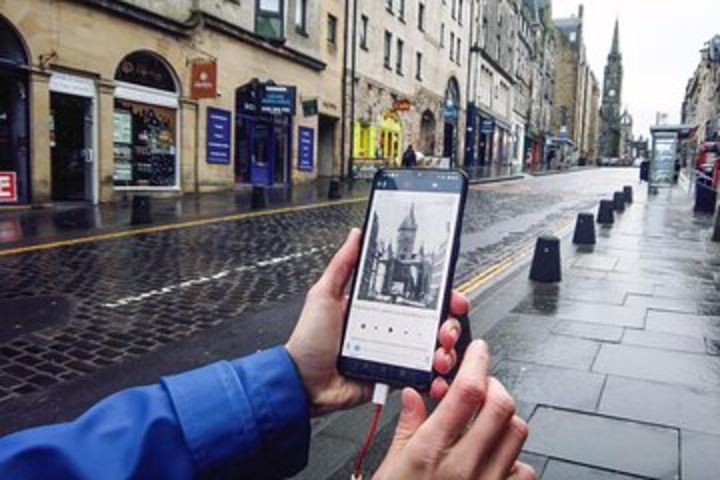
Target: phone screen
(402,279)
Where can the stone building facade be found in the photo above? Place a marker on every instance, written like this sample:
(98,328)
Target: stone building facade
(626,135)
(102,106)
(490,132)
(573,109)
(409,63)
(701,106)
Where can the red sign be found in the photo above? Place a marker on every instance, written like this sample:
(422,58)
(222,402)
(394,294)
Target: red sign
(401,105)
(204,80)
(8,187)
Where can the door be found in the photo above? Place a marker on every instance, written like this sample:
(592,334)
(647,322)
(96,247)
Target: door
(14,138)
(71,147)
(262,153)
(326,146)
(449,140)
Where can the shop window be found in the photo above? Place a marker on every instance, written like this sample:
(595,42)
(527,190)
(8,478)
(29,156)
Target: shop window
(145,123)
(363,146)
(390,138)
(269,19)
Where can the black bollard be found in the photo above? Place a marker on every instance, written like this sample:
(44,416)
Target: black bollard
(334,190)
(546,260)
(619,202)
(606,214)
(259,197)
(584,229)
(705,195)
(627,190)
(141,210)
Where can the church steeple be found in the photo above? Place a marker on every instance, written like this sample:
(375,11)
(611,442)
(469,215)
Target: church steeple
(610,112)
(616,39)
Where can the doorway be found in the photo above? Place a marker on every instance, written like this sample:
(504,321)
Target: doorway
(71,147)
(326,144)
(449,140)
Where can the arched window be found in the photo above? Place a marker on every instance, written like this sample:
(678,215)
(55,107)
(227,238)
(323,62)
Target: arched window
(427,133)
(14,122)
(146,69)
(146,130)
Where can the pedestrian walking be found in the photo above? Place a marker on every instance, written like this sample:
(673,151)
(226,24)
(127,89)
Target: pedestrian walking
(409,158)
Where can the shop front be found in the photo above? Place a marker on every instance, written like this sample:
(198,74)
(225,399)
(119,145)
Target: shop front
(73,136)
(14,118)
(451,114)
(146,130)
(263,133)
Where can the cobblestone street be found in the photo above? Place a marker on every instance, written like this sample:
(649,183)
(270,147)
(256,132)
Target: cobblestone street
(72,311)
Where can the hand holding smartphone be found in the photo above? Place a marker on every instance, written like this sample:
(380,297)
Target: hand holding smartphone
(402,283)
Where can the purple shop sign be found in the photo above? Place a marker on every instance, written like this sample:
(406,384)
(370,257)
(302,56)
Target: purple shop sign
(306,147)
(218,135)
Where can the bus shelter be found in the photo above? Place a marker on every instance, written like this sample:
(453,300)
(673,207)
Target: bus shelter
(664,157)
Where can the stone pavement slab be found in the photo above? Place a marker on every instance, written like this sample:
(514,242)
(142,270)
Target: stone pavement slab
(691,369)
(538,462)
(559,470)
(700,455)
(667,341)
(596,262)
(683,324)
(555,351)
(584,312)
(590,331)
(609,443)
(562,387)
(660,303)
(662,403)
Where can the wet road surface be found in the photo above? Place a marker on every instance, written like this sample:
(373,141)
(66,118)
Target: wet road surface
(81,321)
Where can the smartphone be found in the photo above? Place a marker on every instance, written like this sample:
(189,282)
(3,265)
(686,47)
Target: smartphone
(402,283)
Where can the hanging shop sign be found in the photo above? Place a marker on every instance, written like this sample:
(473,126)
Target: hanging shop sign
(310,107)
(401,105)
(306,147)
(277,99)
(218,136)
(8,187)
(487,125)
(204,80)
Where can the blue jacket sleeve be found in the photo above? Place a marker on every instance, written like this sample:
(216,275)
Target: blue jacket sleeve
(244,419)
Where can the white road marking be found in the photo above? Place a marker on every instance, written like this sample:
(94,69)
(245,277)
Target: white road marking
(210,278)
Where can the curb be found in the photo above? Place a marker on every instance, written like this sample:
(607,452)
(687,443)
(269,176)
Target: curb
(558,172)
(507,178)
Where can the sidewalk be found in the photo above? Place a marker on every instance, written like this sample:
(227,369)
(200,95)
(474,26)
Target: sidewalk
(617,368)
(61,221)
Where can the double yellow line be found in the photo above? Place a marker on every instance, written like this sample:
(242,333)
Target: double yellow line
(175,226)
(505,263)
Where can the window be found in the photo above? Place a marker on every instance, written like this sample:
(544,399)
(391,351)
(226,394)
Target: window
(401,9)
(460,11)
(388,48)
(332,29)
(399,56)
(421,17)
(418,66)
(389,5)
(573,36)
(458,50)
(442,35)
(269,19)
(301,16)
(363,32)
(452,46)
(453,11)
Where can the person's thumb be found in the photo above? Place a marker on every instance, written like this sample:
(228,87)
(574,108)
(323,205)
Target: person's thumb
(339,270)
(413,415)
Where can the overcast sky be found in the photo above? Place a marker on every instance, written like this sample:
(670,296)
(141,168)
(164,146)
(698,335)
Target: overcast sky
(660,42)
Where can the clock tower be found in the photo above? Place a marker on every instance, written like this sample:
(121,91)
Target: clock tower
(610,130)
